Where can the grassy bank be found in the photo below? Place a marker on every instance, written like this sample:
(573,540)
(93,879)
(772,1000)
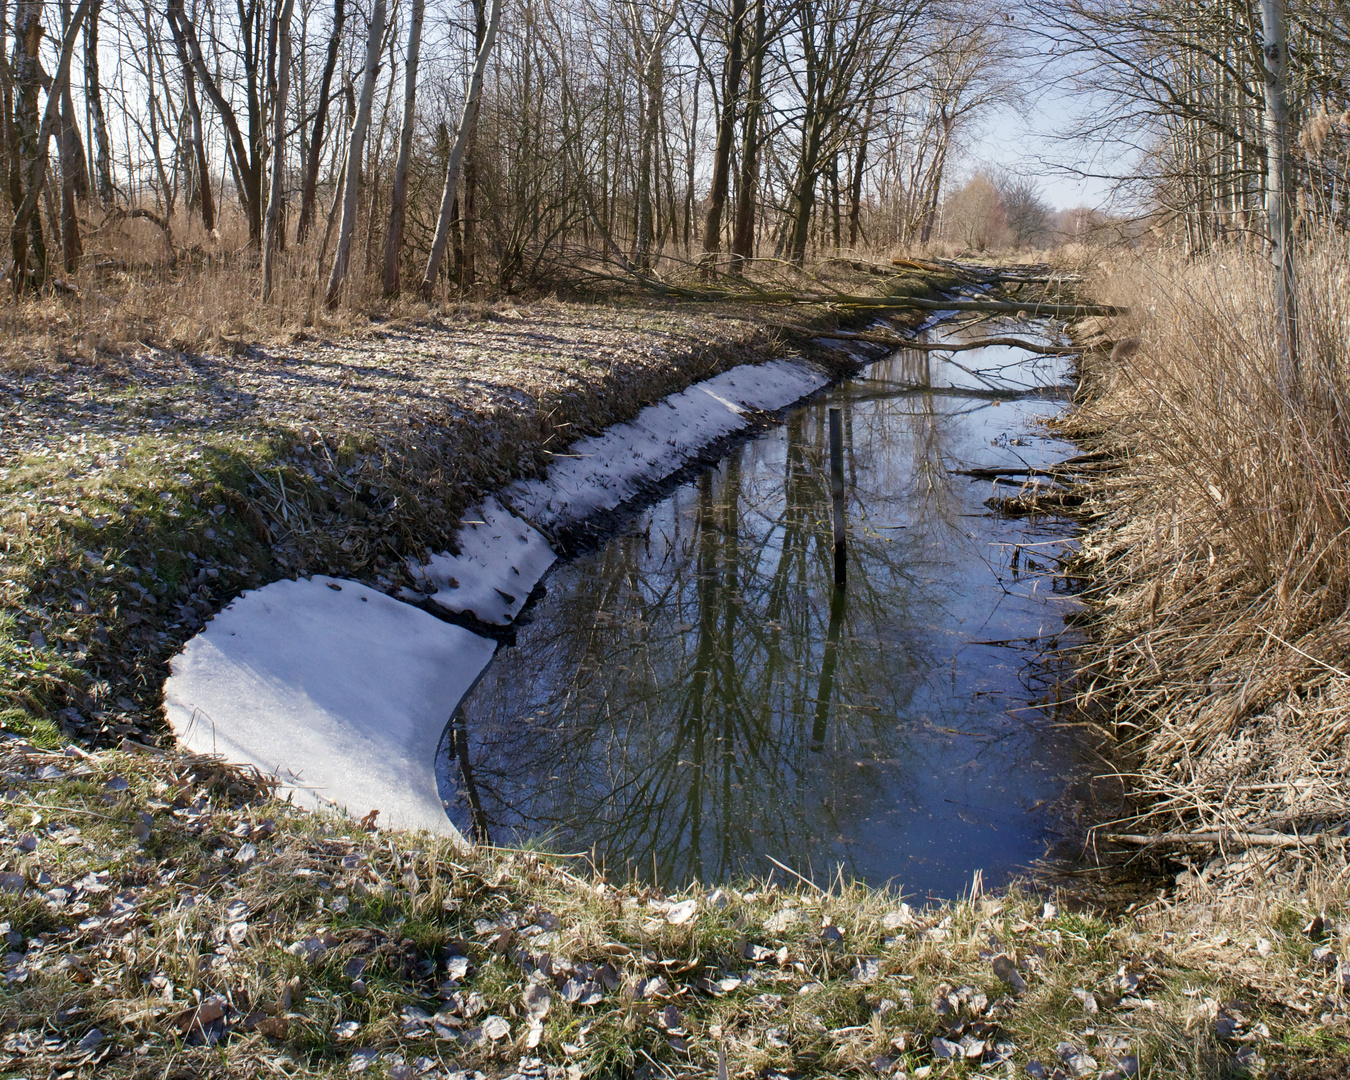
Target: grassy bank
(139,492)
(165,917)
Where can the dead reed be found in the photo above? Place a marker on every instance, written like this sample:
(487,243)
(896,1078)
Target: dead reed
(1220,566)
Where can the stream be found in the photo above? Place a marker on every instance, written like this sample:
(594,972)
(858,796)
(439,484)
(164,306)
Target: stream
(693,699)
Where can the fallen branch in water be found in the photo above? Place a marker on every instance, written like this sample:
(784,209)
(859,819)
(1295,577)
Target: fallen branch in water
(852,302)
(952,346)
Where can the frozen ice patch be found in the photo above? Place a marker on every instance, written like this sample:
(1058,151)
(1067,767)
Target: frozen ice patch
(601,472)
(500,560)
(338,690)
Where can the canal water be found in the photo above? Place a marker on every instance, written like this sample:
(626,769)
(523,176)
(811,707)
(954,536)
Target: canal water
(694,699)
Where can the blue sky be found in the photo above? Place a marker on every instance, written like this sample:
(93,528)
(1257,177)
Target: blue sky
(1025,144)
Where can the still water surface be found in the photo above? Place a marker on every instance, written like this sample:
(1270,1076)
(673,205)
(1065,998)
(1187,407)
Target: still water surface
(694,696)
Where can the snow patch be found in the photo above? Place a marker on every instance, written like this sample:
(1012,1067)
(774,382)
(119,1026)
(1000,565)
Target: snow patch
(601,472)
(500,560)
(338,690)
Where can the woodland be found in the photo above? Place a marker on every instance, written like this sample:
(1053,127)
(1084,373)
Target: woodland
(392,149)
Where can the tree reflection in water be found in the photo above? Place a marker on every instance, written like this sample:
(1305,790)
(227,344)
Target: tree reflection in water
(695,695)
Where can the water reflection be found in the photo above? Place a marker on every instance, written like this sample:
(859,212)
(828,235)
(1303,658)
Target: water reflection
(695,695)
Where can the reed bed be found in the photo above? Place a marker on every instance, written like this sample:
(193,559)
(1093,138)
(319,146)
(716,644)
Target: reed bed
(1219,564)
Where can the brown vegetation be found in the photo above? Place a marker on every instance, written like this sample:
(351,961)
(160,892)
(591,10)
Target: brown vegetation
(1219,566)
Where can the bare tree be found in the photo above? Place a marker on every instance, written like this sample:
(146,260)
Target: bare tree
(247,152)
(1279,182)
(468,118)
(276,196)
(312,157)
(726,133)
(393,241)
(342,256)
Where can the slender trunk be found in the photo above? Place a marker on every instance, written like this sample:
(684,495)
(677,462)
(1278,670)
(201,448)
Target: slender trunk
(468,119)
(856,182)
(457,245)
(743,241)
(726,131)
(272,229)
(466,259)
(152,109)
(934,187)
(648,125)
(1279,184)
(310,186)
(393,241)
(834,198)
(205,200)
(338,276)
(107,193)
(804,195)
(374,159)
(74,175)
(339,191)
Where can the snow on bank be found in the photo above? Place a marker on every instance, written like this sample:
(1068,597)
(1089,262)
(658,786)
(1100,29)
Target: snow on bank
(343,692)
(500,560)
(338,690)
(601,472)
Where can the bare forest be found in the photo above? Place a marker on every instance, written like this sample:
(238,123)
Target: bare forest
(318,154)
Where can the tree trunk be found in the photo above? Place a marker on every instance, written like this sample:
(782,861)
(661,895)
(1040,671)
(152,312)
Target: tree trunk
(468,119)
(338,276)
(107,193)
(466,268)
(856,182)
(648,126)
(804,193)
(27,170)
(310,186)
(726,132)
(205,199)
(1279,184)
(271,231)
(743,241)
(834,199)
(28,33)
(74,174)
(393,241)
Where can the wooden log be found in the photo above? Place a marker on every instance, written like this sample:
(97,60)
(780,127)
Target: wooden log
(1223,836)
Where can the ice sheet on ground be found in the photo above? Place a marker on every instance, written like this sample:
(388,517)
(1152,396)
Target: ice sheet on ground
(500,560)
(342,693)
(603,471)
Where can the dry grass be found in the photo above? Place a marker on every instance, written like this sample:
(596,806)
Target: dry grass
(164,917)
(1220,566)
